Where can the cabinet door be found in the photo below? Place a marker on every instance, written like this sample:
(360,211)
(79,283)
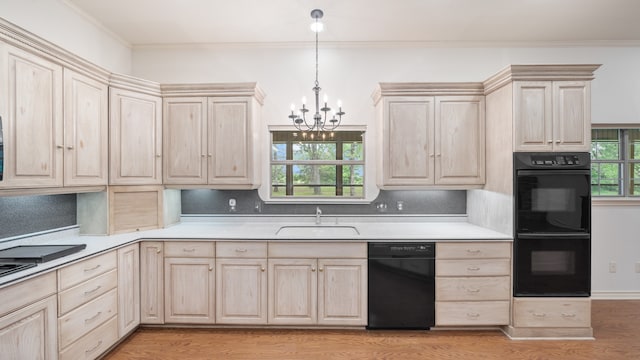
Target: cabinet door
(128,289)
(342,291)
(459,140)
(230,141)
(185,140)
(189,285)
(31,332)
(572,116)
(86,130)
(293,289)
(241,291)
(135,138)
(407,146)
(532,110)
(31,105)
(151,283)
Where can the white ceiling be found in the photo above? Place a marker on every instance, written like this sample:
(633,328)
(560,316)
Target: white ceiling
(156,22)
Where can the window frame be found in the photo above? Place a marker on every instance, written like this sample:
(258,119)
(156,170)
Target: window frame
(339,186)
(624,163)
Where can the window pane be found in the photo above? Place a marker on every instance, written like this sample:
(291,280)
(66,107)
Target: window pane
(353,175)
(314,175)
(605,144)
(314,191)
(634,179)
(314,151)
(634,144)
(605,179)
(352,151)
(279,151)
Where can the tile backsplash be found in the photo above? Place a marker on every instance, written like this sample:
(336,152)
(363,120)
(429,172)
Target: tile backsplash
(20,215)
(429,202)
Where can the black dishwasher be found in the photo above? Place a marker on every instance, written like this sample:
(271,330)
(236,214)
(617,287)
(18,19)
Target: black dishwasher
(401,285)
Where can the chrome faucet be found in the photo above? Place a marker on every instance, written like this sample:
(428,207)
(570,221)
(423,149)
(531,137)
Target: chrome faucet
(318,214)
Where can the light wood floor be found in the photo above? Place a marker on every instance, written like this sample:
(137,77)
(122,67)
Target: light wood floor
(616,328)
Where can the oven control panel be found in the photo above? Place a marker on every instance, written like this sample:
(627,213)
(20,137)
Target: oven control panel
(553,159)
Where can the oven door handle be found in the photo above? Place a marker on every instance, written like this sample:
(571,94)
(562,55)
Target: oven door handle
(537,236)
(552,172)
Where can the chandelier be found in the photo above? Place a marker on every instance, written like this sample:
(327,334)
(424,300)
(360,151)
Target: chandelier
(324,118)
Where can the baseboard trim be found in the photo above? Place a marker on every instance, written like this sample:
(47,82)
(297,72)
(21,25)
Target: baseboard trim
(615,295)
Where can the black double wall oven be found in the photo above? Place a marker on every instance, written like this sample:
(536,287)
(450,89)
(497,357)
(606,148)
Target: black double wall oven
(552,245)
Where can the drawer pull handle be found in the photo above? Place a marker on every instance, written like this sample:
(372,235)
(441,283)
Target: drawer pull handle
(93,348)
(189,250)
(473,252)
(539,315)
(93,317)
(92,291)
(473,315)
(93,268)
(473,291)
(241,250)
(568,315)
(473,268)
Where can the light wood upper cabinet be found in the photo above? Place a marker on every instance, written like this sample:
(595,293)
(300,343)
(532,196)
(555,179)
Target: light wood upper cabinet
(408,141)
(135,138)
(460,140)
(185,140)
(552,115)
(128,289)
(431,140)
(32,119)
(230,141)
(151,282)
(86,130)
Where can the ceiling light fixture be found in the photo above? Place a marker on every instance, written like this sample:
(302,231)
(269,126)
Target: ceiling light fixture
(321,122)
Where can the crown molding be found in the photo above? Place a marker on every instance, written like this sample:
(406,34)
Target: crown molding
(426,89)
(554,72)
(127,82)
(214,89)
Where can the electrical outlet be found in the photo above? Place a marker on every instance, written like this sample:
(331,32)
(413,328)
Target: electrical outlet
(613,267)
(638,267)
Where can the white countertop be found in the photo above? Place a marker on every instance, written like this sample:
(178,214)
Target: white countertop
(435,228)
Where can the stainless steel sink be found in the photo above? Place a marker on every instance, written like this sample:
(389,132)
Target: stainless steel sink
(317,230)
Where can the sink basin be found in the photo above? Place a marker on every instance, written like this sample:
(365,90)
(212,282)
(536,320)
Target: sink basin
(317,231)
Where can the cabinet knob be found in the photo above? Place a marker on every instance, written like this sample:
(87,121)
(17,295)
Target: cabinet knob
(59,146)
(158,251)
(313,269)
(210,268)
(320,269)
(549,141)
(158,155)
(210,155)
(70,147)
(204,155)
(262,269)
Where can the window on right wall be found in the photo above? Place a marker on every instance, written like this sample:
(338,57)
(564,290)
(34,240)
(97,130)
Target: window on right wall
(615,162)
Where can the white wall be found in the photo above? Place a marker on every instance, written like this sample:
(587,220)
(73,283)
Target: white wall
(58,23)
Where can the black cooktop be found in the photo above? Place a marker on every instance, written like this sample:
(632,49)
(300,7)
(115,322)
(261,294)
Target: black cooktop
(38,253)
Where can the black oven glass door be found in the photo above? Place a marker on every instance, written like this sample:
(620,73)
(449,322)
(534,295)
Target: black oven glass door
(553,202)
(552,267)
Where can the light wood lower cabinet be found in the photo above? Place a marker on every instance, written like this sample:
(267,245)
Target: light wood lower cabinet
(473,286)
(241,291)
(322,291)
(93,344)
(189,290)
(30,332)
(151,282)
(551,318)
(128,289)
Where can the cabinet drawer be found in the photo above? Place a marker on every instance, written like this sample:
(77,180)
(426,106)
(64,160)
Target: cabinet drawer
(488,267)
(94,343)
(86,318)
(473,288)
(473,250)
(552,312)
(26,292)
(241,249)
(87,291)
(75,274)
(187,249)
(456,313)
